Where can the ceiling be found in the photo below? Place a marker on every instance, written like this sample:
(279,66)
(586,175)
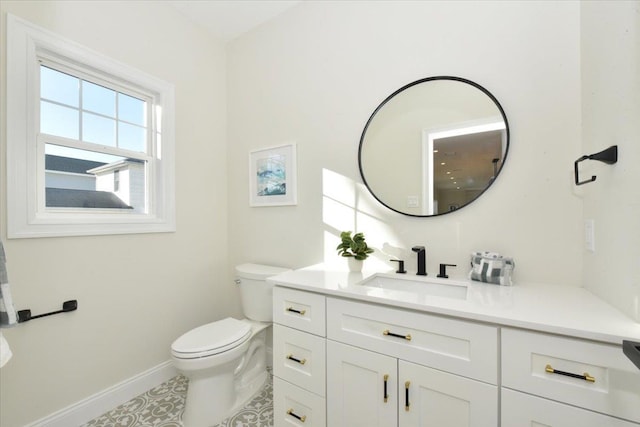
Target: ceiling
(228,19)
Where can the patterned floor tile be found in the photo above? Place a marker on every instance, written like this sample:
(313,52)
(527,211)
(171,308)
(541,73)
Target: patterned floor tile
(162,406)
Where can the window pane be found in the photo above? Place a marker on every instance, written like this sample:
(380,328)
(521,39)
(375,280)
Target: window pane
(98,99)
(132,137)
(85,179)
(132,110)
(58,120)
(59,87)
(98,130)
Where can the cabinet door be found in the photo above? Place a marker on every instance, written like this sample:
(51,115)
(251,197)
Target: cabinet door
(361,387)
(524,410)
(429,397)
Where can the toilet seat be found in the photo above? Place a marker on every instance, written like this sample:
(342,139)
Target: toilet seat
(212,338)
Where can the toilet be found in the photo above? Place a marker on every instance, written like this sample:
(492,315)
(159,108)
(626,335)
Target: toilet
(226,361)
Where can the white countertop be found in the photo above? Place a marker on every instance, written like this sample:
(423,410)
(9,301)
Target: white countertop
(556,309)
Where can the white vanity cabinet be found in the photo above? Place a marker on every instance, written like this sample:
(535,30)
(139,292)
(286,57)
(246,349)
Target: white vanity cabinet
(396,374)
(594,376)
(346,360)
(299,358)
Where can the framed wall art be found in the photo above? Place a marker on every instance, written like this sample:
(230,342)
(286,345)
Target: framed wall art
(272,176)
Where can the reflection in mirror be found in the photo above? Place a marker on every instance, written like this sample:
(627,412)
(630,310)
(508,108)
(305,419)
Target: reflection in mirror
(433,146)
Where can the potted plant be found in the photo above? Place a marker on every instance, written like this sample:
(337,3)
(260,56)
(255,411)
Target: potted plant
(354,248)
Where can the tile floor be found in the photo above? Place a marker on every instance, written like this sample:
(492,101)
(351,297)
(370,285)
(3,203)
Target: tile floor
(163,405)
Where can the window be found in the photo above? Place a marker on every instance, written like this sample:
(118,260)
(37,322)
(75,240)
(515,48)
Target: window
(86,123)
(90,141)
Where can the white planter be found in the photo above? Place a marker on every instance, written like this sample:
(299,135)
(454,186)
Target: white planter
(355,265)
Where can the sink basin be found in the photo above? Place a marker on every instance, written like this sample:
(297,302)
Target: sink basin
(422,286)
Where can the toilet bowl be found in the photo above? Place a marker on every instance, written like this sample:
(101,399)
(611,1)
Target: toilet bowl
(225,361)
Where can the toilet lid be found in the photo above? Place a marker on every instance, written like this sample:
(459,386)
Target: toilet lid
(212,338)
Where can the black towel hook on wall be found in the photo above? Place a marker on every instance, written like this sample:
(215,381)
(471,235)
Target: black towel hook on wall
(608,156)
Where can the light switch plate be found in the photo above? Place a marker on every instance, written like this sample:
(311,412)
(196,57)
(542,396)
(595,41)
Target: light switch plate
(413,202)
(590,235)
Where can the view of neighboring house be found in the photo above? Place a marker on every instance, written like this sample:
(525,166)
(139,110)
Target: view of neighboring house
(78,183)
(70,173)
(125,179)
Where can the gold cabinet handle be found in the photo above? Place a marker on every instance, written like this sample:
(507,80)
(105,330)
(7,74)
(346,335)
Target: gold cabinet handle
(386,395)
(584,376)
(293,310)
(302,418)
(406,395)
(391,334)
(300,361)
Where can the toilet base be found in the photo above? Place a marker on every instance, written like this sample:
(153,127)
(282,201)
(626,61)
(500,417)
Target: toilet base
(244,393)
(207,401)
(216,393)
(205,409)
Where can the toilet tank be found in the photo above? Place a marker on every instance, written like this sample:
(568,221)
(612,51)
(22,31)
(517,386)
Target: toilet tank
(255,293)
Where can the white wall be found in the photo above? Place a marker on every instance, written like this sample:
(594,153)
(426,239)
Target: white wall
(611,116)
(136,293)
(76,181)
(316,73)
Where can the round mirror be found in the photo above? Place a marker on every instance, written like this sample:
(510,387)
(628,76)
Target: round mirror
(433,146)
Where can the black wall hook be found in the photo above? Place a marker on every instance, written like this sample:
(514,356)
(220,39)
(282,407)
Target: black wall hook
(608,156)
(25,315)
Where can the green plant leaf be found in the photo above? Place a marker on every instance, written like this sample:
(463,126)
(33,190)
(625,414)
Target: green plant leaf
(355,246)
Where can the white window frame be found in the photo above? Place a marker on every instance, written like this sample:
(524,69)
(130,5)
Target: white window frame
(26,214)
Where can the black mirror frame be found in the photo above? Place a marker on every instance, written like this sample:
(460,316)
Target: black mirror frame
(383,103)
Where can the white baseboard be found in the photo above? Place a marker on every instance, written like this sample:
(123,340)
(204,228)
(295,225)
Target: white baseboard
(93,406)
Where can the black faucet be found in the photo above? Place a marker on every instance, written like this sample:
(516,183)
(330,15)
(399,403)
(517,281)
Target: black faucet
(422,260)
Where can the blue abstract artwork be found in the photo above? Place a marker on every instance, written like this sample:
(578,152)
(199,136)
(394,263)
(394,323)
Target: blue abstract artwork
(271,176)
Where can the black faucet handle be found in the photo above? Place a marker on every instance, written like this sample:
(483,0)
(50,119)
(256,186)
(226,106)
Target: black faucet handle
(400,262)
(443,270)
(418,248)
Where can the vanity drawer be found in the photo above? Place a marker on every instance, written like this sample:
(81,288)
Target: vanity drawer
(456,346)
(299,358)
(293,406)
(300,310)
(519,409)
(591,375)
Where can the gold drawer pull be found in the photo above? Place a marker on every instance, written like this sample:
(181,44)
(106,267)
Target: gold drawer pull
(300,361)
(294,415)
(293,310)
(584,376)
(406,395)
(391,334)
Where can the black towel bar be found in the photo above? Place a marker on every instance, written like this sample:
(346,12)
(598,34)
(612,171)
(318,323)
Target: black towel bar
(25,315)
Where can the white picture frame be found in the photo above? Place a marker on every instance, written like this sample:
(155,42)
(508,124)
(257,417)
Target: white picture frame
(272,176)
